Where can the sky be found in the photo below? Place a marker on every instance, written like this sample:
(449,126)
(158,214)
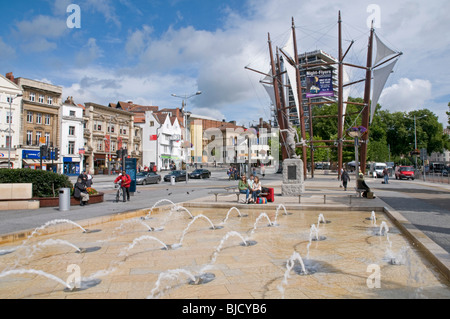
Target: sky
(144,51)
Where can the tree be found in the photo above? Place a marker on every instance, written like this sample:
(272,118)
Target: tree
(448,114)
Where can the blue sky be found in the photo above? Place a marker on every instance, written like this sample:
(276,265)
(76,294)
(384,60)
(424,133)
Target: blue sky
(144,51)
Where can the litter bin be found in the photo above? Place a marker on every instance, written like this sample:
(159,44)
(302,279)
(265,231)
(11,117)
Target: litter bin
(172,180)
(64,199)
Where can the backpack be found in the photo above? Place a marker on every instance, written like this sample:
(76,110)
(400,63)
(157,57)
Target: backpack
(261,200)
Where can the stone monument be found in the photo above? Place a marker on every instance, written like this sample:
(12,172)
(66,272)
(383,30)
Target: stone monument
(293,179)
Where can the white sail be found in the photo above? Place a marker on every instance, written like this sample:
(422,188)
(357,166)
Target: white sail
(269,87)
(383,51)
(346,93)
(292,71)
(380,77)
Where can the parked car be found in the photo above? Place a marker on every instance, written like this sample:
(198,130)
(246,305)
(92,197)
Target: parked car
(144,178)
(179,176)
(377,169)
(200,173)
(406,172)
(445,172)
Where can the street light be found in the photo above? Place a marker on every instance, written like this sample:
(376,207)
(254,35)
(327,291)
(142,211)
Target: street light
(356,133)
(183,109)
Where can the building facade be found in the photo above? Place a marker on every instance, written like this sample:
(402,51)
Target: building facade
(106,130)
(72,139)
(10,115)
(312,58)
(41,122)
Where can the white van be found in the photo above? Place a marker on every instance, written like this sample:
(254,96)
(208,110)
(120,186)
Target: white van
(376,169)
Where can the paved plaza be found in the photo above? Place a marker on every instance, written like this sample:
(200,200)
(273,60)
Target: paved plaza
(229,250)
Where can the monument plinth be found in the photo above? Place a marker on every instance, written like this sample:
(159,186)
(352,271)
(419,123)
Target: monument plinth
(293,179)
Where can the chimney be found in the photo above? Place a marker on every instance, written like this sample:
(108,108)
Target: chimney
(10,76)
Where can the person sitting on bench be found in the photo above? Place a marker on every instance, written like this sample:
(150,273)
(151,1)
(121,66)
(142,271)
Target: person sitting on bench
(256,189)
(244,188)
(361,184)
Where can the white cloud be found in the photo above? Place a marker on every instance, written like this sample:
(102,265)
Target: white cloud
(406,95)
(40,34)
(104,7)
(89,53)
(184,60)
(103,86)
(6,51)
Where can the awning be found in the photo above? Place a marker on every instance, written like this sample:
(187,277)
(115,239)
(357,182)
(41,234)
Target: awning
(170,157)
(38,162)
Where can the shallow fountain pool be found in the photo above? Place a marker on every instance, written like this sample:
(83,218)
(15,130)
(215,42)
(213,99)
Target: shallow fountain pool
(221,254)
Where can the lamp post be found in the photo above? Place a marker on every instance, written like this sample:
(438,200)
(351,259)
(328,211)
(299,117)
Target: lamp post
(356,133)
(183,109)
(10,120)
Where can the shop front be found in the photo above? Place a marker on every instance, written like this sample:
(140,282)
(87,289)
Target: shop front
(8,158)
(71,166)
(32,159)
(100,164)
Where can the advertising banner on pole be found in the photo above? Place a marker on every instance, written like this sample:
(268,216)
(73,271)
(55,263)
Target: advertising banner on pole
(319,83)
(131,169)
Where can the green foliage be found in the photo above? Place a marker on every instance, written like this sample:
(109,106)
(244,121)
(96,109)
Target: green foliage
(45,184)
(388,131)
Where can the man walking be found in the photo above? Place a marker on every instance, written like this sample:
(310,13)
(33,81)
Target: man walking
(386,175)
(125,180)
(345,179)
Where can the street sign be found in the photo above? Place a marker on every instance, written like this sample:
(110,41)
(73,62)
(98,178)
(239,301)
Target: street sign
(423,154)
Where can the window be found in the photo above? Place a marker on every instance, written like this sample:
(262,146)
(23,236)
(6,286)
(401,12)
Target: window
(41,98)
(8,140)
(38,118)
(97,126)
(38,136)
(32,97)
(152,123)
(47,138)
(47,119)
(49,100)
(71,149)
(72,113)
(30,117)
(71,130)
(29,137)
(99,145)
(111,128)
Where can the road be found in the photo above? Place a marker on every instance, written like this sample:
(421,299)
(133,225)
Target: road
(426,205)
(144,198)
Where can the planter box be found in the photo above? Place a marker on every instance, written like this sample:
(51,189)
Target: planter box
(54,201)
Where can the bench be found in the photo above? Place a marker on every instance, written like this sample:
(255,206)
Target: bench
(230,190)
(324,196)
(360,191)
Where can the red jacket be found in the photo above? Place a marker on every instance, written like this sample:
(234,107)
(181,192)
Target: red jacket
(126,180)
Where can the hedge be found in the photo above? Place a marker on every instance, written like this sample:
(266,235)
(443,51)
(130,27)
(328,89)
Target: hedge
(45,183)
